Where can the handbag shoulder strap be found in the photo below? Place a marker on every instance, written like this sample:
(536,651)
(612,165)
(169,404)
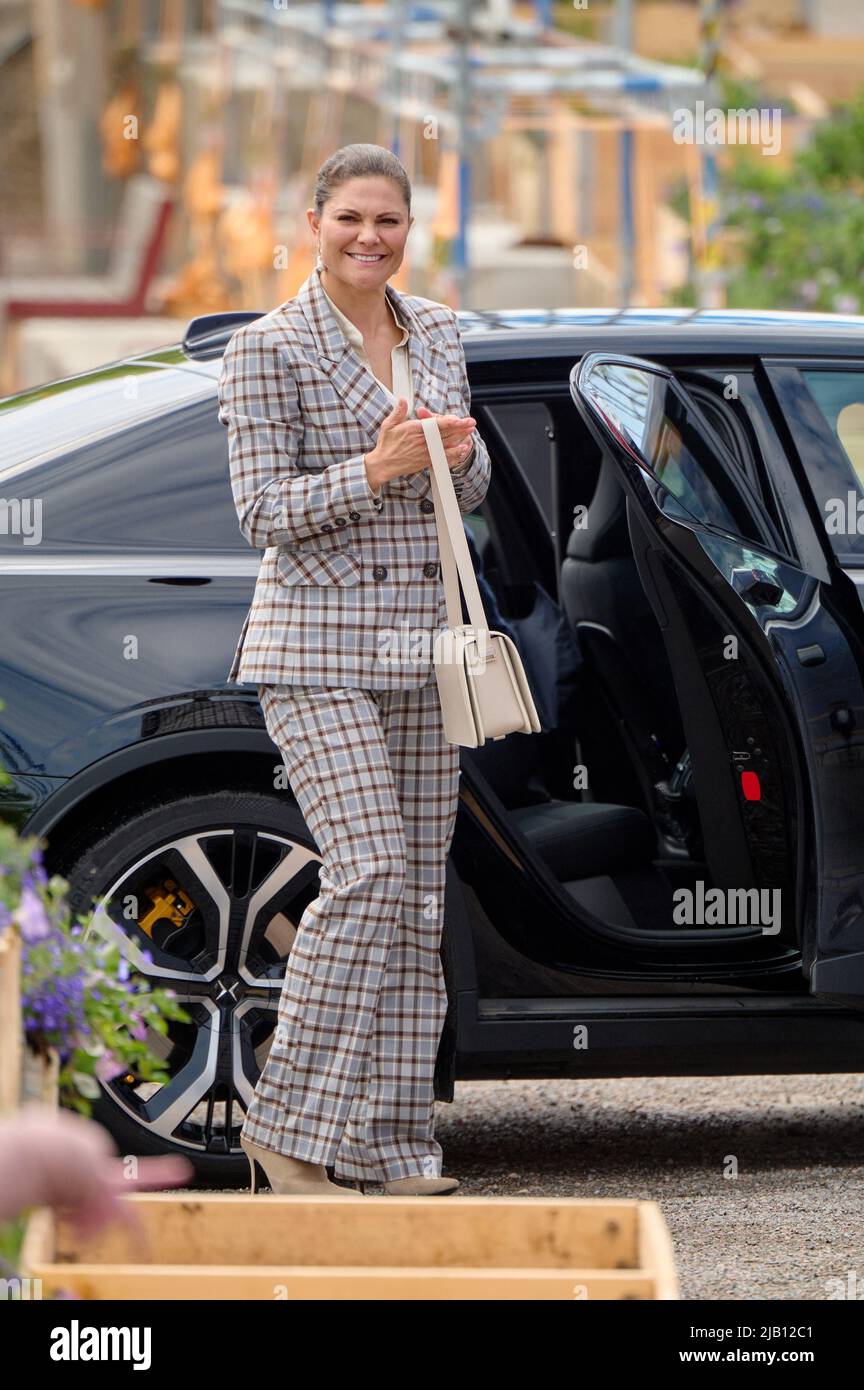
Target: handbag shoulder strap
(455,555)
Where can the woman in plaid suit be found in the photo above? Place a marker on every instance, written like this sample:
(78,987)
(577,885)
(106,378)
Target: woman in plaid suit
(329,473)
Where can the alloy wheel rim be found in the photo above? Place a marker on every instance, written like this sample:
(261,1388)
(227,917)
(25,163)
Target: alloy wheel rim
(216,910)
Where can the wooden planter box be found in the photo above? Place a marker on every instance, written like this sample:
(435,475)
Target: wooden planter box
(221,1246)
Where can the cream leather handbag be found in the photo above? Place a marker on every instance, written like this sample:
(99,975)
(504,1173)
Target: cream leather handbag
(482,685)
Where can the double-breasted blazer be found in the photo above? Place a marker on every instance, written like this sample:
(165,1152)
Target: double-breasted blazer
(349,591)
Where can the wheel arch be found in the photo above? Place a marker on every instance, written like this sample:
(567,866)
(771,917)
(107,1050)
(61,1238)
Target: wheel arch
(89,803)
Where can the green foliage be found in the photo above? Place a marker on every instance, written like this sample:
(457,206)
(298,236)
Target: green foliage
(11,1239)
(799,231)
(834,159)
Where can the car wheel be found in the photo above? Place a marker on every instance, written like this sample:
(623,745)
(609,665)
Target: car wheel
(213,887)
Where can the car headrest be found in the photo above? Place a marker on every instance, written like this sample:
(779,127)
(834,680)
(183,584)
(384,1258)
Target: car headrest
(604,533)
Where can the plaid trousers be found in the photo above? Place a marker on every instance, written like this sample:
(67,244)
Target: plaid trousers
(349,1077)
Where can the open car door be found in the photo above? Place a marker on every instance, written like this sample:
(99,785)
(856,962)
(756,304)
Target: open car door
(769,690)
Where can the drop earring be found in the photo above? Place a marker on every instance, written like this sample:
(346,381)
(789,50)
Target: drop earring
(319,264)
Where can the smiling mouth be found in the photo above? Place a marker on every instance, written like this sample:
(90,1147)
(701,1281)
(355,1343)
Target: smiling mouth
(366,259)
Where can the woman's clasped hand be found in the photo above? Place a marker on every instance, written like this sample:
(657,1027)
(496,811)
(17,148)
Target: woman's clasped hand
(401,446)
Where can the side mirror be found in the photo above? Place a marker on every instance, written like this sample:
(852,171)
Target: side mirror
(757,588)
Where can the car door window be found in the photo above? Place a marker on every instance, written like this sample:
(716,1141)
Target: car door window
(850,432)
(680,446)
(840,397)
(827,404)
(526,425)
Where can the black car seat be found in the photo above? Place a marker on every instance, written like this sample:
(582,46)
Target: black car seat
(604,600)
(601,854)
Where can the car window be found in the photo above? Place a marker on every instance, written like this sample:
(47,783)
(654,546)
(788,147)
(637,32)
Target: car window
(840,397)
(707,392)
(850,431)
(731,398)
(159,483)
(662,426)
(46,421)
(526,425)
(838,481)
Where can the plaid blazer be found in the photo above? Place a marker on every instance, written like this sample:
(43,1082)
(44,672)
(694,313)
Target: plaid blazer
(349,590)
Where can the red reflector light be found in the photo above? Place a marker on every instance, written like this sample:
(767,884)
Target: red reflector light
(750,786)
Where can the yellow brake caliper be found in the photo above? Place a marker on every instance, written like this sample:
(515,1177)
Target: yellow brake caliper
(170,903)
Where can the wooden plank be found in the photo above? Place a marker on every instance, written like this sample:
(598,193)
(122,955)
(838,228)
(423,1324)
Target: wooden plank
(656,1251)
(38,1245)
(285,1282)
(479,1232)
(11,1025)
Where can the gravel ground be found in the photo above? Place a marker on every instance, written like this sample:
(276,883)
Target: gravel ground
(788,1222)
(791,1219)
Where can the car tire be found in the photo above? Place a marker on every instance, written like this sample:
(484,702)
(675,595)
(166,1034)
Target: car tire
(200,828)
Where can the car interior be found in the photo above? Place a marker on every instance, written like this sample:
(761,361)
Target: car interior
(623,835)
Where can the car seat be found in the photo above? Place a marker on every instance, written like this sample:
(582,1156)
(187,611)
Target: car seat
(622,646)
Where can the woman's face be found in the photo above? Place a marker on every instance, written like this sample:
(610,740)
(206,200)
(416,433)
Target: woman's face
(362,231)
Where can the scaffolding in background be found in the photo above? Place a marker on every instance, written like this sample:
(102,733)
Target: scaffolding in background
(461,77)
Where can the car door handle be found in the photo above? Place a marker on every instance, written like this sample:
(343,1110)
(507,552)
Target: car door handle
(757,588)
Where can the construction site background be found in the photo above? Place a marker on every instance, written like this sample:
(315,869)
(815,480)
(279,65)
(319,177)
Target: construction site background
(576,185)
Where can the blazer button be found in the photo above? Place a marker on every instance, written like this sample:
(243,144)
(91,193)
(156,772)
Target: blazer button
(379,572)
(326,526)
(341,521)
(431,570)
(427,505)
(355,516)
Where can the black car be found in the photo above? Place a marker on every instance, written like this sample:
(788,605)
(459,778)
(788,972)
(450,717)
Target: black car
(668,879)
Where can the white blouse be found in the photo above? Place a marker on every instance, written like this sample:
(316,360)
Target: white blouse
(402,384)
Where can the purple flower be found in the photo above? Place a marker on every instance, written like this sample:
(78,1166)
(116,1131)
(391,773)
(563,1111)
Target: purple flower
(32,917)
(54,1005)
(123,969)
(108,1066)
(37,858)
(139,1031)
